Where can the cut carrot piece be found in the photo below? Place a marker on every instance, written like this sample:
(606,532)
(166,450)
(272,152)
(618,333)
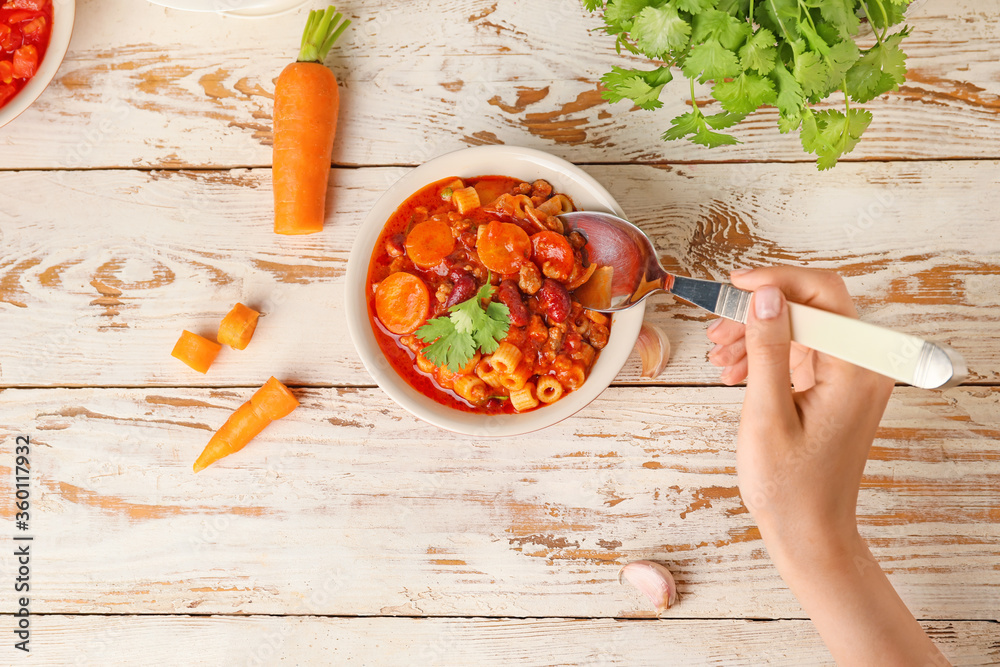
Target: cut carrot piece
(429,243)
(270,402)
(402,302)
(274,400)
(503,247)
(196,351)
(237,327)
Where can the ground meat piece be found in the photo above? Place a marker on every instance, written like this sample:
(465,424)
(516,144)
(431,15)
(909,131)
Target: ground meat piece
(529,278)
(394,245)
(541,188)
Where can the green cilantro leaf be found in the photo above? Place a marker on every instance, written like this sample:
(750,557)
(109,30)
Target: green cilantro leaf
(455,338)
(593,5)
(759,53)
(809,70)
(881,69)
(711,61)
(694,126)
(724,120)
(660,30)
(727,29)
(745,93)
(695,6)
(842,14)
(791,97)
(830,134)
(642,87)
(620,14)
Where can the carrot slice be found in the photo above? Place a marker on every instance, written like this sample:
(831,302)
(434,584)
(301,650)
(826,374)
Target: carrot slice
(196,351)
(402,302)
(503,247)
(554,248)
(429,243)
(237,327)
(270,402)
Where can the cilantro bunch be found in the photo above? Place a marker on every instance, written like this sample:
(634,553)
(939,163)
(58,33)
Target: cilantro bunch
(455,338)
(785,53)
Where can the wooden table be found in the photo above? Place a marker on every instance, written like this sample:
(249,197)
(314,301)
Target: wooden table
(137,203)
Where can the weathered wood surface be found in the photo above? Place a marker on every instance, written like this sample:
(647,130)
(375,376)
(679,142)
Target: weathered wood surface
(97,283)
(355,505)
(146,86)
(268,640)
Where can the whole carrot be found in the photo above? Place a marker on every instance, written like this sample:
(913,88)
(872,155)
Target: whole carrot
(270,402)
(306,104)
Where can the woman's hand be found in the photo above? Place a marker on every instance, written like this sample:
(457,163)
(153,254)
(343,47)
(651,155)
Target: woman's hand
(800,456)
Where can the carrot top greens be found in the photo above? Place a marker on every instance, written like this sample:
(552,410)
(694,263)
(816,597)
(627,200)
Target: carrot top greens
(321,33)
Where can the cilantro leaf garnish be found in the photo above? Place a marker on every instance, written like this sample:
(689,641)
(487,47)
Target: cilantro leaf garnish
(788,53)
(469,328)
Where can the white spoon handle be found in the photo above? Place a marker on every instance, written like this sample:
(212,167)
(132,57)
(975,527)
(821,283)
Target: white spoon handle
(900,356)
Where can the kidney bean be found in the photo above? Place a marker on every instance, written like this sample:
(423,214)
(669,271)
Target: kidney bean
(463,288)
(554,300)
(508,294)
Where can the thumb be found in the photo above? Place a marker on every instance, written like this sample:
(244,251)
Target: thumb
(768,341)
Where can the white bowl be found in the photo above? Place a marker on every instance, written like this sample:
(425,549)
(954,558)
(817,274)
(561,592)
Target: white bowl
(63,16)
(528,165)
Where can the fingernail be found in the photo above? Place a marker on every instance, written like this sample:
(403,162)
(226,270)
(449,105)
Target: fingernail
(715,349)
(767,302)
(714,325)
(739,272)
(725,372)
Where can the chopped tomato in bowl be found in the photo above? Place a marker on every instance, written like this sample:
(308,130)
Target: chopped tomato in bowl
(34,35)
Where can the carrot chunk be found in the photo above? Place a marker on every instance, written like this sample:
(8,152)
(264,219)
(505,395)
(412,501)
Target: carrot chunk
(274,400)
(196,351)
(429,243)
(503,247)
(402,302)
(237,327)
(270,402)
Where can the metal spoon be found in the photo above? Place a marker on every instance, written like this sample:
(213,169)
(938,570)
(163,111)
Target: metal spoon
(629,271)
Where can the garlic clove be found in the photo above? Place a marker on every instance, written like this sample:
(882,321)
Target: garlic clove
(654,350)
(653,580)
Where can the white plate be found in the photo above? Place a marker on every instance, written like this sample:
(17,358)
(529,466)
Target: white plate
(523,163)
(63,17)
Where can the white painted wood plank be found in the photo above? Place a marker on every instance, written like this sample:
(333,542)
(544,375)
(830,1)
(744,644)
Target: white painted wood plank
(97,283)
(263,640)
(353,504)
(143,85)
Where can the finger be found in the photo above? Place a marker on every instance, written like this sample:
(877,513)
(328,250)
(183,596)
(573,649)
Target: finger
(727,355)
(804,372)
(724,331)
(735,374)
(821,289)
(768,341)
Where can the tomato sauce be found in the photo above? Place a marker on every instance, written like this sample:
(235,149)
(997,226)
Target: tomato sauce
(25,29)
